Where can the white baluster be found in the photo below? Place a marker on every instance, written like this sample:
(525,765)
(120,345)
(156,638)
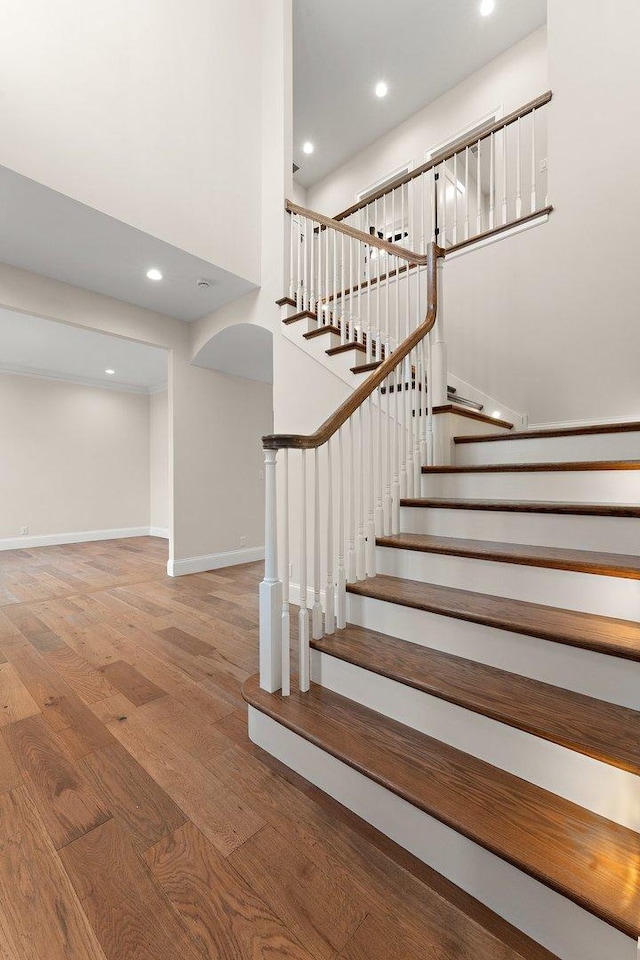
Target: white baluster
(286,624)
(303,617)
(299,289)
(466,193)
(316,612)
(292,247)
(430,438)
(505,203)
(492,182)
(312,267)
(417,462)
(341,580)
(361,557)
(518,171)
(479,188)
(455,198)
(305,260)
(270,588)
(408,404)
(443,203)
(351,550)
(379,515)
(371,495)
(534,172)
(329,592)
(343,319)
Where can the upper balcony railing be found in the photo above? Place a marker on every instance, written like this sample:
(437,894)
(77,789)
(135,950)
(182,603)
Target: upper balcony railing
(482,184)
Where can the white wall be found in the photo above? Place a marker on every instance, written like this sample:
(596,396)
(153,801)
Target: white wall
(509,81)
(73,458)
(148,111)
(219,453)
(159,505)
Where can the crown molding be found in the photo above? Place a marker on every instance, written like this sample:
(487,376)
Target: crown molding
(15,369)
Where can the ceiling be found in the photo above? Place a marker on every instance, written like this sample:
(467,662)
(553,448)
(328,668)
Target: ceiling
(420,48)
(49,233)
(63,352)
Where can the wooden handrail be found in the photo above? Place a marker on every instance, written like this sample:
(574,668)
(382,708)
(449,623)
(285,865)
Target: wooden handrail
(448,154)
(351,404)
(369,238)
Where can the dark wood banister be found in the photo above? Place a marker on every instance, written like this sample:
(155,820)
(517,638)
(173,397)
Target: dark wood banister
(351,404)
(369,238)
(448,154)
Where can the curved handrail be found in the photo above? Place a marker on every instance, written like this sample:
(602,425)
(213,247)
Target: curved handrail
(370,238)
(351,404)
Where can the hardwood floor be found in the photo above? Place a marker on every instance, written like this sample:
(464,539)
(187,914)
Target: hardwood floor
(137,820)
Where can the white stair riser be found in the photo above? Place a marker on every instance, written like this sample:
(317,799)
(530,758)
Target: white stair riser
(600,787)
(551,919)
(608,534)
(587,486)
(604,677)
(591,593)
(595,446)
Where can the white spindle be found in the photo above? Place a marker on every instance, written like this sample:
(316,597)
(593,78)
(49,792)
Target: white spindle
(533,163)
(343,319)
(371,495)
(341,580)
(505,203)
(479,188)
(430,438)
(312,267)
(303,617)
(379,515)
(351,550)
(518,171)
(286,624)
(292,238)
(329,593)
(466,193)
(316,612)
(270,588)
(443,203)
(492,182)
(305,259)
(361,557)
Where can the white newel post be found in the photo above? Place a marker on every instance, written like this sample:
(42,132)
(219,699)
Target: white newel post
(270,588)
(439,346)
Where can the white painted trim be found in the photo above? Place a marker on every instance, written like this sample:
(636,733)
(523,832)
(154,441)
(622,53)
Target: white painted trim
(562,926)
(386,178)
(496,237)
(82,536)
(485,121)
(19,371)
(213,561)
(162,532)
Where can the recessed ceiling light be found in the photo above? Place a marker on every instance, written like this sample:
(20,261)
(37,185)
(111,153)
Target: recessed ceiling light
(487,7)
(496,414)
(154,274)
(307,147)
(110,371)
(381,89)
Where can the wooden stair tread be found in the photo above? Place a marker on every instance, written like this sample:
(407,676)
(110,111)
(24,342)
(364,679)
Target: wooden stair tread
(299,316)
(320,331)
(344,347)
(598,729)
(628,427)
(557,558)
(592,861)
(608,635)
(574,465)
(526,506)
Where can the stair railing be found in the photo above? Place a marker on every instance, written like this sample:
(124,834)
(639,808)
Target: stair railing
(368,454)
(484,183)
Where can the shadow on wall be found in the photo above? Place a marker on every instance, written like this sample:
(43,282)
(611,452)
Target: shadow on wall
(242,350)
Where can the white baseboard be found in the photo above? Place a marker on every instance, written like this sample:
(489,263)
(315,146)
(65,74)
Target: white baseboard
(213,561)
(162,532)
(83,536)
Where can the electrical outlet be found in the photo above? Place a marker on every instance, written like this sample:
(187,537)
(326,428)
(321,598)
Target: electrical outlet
(24,531)
(543,165)
(243,541)
(261,475)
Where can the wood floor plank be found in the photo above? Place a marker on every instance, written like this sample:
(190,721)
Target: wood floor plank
(225,819)
(321,913)
(126,906)
(42,918)
(67,804)
(204,741)
(131,796)
(16,702)
(128,681)
(221,910)
(10,775)
(90,684)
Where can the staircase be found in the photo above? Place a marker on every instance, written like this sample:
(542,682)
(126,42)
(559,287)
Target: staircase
(467,626)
